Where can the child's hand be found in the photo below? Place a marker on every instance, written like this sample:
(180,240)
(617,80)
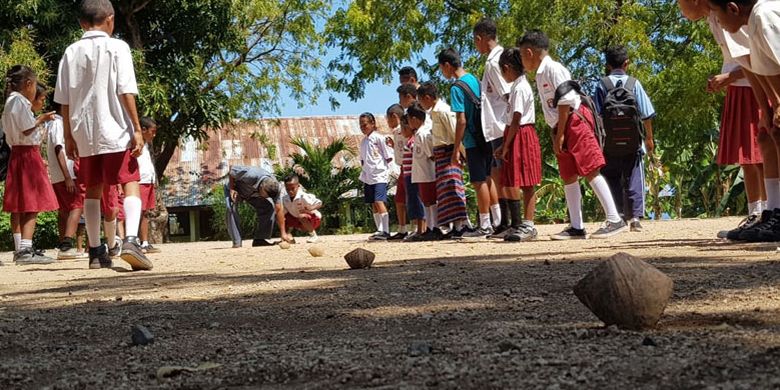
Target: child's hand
(71,149)
(650,145)
(136,144)
(455,158)
(558,144)
(43,118)
(390,142)
(502,156)
(70,185)
(718,82)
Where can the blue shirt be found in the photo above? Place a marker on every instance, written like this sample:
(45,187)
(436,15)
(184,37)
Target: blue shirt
(619,77)
(459,102)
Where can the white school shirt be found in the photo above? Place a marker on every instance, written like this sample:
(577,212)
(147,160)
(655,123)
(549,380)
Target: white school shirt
(56,138)
(494,101)
(732,46)
(303,202)
(374,157)
(521,99)
(549,76)
(443,122)
(398,145)
(763,29)
(17,118)
(146,167)
(423,167)
(94,72)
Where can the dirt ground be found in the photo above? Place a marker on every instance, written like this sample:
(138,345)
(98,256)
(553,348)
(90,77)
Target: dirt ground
(469,314)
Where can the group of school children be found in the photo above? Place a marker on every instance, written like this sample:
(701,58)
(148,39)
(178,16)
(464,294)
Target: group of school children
(490,127)
(97,150)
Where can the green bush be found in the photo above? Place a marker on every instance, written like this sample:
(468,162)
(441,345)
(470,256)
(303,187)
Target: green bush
(247,214)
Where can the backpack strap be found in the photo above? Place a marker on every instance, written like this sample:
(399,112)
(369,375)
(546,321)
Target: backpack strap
(630,84)
(608,84)
(469,92)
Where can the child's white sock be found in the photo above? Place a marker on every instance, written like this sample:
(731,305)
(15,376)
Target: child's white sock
(601,188)
(109,229)
(145,243)
(772,186)
(402,229)
(764,206)
(754,208)
(574,204)
(25,244)
(92,221)
(495,211)
(484,221)
(132,215)
(17,241)
(378,222)
(431,215)
(528,223)
(385,222)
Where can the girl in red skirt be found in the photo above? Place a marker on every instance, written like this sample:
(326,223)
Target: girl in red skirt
(521,153)
(27,187)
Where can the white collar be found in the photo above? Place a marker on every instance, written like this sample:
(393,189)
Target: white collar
(496,51)
(93,34)
(545,62)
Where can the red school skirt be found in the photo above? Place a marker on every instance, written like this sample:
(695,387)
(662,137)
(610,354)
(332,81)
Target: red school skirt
(738,142)
(523,167)
(27,186)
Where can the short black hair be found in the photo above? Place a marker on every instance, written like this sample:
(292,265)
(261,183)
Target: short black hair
(292,178)
(407,89)
(40,90)
(395,109)
(95,11)
(147,122)
(416,110)
(723,3)
(16,77)
(428,88)
(486,28)
(616,56)
(535,39)
(511,57)
(368,115)
(450,56)
(407,71)
(271,187)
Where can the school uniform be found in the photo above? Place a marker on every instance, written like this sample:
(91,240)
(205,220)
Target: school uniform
(374,159)
(494,102)
(112,199)
(524,165)
(764,38)
(27,185)
(423,166)
(302,204)
(66,200)
(479,161)
(414,206)
(450,191)
(625,175)
(148,179)
(100,126)
(399,141)
(581,151)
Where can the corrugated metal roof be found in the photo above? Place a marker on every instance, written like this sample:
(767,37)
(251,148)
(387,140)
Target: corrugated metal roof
(196,167)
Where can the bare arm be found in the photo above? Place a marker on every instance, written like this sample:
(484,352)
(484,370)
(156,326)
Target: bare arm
(137,140)
(280,219)
(558,137)
(649,143)
(460,131)
(69,184)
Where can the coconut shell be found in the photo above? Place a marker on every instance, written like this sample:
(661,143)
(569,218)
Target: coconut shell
(360,258)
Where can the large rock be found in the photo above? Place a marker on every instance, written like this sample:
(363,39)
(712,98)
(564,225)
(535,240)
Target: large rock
(360,258)
(625,291)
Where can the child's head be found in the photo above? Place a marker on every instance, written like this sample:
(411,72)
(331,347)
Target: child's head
(511,64)
(22,79)
(617,58)
(427,95)
(97,14)
(694,9)
(40,97)
(367,123)
(406,129)
(485,32)
(148,128)
(449,62)
(292,184)
(731,14)
(533,48)
(407,75)
(407,94)
(393,115)
(417,115)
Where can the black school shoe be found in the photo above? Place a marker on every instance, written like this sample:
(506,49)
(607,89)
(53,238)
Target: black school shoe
(398,236)
(773,233)
(746,224)
(769,218)
(570,233)
(262,242)
(134,255)
(99,258)
(610,229)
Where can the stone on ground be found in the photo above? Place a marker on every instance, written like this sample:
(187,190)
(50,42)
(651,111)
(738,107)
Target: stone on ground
(625,291)
(317,251)
(141,335)
(360,258)
(284,245)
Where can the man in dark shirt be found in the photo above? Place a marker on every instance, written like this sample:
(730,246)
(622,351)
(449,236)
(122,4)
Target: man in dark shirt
(262,191)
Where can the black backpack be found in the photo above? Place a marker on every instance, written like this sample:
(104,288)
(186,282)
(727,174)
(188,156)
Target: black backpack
(587,101)
(479,135)
(622,122)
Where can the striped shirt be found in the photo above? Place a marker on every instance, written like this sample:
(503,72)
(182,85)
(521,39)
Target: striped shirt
(406,165)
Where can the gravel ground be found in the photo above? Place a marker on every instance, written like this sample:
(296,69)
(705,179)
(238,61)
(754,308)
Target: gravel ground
(449,315)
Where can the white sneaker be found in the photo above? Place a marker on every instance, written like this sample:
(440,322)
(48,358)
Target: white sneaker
(313,238)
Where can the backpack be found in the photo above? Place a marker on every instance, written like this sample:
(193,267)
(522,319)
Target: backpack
(479,135)
(622,122)
(587,101)
(5,155)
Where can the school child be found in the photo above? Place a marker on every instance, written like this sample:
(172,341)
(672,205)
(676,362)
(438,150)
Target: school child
(28,190)
(574,142)
(97,94)
(148,183)
(761,18)
(624,153)
(415,210)
(407,75)
(494,106)
(424,169)
(450,191)
(520,152)
(374,160)
(301,208)
(464,98)
(397,141)
(407,94)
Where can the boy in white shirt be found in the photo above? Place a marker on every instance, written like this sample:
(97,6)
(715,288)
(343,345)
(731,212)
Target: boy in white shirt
(494,105)
(424,169)
(574,143)
(148,183)
(96,87)
(397,142)
(301,208)
(375,171)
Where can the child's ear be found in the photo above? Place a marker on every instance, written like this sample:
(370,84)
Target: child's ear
(733,8)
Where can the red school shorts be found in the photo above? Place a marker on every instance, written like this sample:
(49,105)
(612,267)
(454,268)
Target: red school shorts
(112,201)
(427,192)
(582,154)
(109,168)
(147,197)
(69,201)
(400,190)
(295,223)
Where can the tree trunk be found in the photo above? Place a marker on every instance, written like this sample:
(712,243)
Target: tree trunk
(158,220)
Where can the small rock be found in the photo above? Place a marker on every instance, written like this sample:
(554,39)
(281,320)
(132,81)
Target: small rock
(118,299)
(419,348)
(506,346)
(648,342)
(284,245)
(547,262)
(141,335)
(317,251)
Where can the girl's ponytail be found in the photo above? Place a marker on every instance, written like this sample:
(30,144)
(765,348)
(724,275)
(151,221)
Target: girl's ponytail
(15,78)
